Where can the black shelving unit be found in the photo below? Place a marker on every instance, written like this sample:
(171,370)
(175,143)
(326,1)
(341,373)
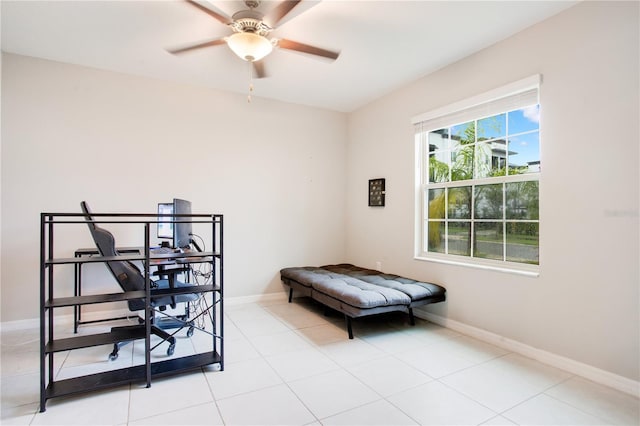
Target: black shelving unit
(147,371)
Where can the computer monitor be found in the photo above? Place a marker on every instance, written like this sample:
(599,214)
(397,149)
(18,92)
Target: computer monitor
(165,223)
(182,228)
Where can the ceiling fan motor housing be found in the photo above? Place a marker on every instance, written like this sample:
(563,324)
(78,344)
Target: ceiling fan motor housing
(250,21)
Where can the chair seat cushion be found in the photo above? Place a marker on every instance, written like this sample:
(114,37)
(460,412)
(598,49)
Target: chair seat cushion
(178,298)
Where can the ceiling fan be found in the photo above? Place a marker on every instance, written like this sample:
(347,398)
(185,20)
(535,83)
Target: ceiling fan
(250,30)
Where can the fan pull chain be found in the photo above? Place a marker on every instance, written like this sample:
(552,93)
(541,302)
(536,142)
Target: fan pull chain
(250,82)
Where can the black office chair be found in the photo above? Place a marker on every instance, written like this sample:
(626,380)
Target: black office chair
(131,279)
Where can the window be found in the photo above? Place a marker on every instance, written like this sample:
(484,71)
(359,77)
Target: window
(478,179)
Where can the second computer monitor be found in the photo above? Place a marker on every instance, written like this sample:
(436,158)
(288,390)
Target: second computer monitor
(182,228)
(177,228)
(165,221)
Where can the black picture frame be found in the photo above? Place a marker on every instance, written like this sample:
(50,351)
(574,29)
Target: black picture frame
(376,192)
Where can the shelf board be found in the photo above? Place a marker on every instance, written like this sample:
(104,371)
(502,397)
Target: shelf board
(59,302)
(129,375)
(192,257)
(92,251)
(93,259)
(183,290)
(121,334)
(173,365)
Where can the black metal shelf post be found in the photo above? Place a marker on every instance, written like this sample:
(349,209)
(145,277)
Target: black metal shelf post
(50,345)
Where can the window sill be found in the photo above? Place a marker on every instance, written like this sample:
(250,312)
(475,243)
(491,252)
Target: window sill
(533,272)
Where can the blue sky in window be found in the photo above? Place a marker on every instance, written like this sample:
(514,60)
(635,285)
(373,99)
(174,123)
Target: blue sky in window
(459,129)
(526,147)
(492,127)
(524,120)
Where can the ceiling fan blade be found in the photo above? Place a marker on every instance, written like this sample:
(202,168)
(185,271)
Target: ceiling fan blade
(258,69)
(280,11)
(200,45)
(305,48)
(224,19)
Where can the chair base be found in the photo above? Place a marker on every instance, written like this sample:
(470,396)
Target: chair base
(156,331)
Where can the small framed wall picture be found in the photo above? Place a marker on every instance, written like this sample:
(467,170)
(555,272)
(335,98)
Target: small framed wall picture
(376,192)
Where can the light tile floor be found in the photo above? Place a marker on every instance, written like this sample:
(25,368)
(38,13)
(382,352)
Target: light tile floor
(290,364)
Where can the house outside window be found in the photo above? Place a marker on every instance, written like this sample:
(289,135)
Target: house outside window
(478,171)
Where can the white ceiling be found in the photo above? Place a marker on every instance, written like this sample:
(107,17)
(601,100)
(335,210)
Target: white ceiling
(384,44)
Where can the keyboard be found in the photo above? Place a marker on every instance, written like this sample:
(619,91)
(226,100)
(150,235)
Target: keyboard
(161,250)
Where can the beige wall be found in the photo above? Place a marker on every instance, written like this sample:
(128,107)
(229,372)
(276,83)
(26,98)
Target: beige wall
(278,172)
(123,143)
(585,303)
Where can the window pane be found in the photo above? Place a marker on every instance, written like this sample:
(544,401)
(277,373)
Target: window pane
(524,120)
(492,127)
(436,204)
(458,238)
(436,236)
(522,242)
(499,157)
(462,163)
(522,200)
(490,159)
(438,139)
(460,202)
(524,153)
(464,133)
(438,166)
(488,240)
(488,201)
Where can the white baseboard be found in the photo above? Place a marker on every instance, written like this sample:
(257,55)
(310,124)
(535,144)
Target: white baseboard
(589,372)
(24,324)
(269,297)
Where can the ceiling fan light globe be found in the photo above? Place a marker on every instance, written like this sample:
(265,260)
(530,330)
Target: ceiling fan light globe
(249,46)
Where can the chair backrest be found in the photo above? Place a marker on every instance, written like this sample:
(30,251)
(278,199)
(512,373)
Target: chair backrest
(126,273)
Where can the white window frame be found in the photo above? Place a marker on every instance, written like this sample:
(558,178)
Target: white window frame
(509,97)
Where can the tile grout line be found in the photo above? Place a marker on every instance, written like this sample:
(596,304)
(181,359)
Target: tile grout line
(262,357)
(544,392)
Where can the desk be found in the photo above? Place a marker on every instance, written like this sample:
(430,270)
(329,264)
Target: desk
(160,261)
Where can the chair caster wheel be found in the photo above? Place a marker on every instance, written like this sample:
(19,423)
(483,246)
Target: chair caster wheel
(171,349)
(190,331)
(113,356)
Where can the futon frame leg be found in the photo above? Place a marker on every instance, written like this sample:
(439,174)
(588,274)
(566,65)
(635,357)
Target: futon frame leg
(412,320)
(290,294)
(349,329)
